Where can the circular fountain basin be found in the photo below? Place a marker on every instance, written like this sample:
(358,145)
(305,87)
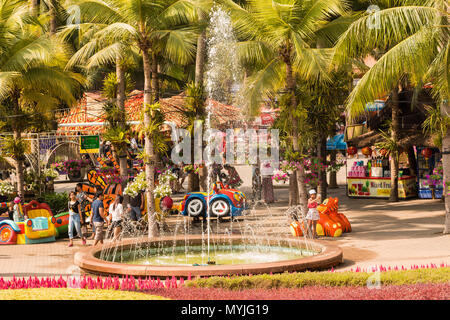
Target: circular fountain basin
(234,256)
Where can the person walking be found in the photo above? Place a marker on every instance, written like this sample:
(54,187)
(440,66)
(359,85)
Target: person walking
(98,218)
(115,215)
(74,218)
(136,206)
(83,200)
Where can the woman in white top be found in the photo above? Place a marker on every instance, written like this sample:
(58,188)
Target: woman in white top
(115,215)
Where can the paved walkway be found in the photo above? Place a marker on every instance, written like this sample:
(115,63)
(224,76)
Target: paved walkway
(402,233)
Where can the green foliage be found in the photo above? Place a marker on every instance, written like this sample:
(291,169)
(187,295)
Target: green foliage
(436,124)
(388,144)
(56,201)
(118,138)
(110,85)
(332,279)
(14,148)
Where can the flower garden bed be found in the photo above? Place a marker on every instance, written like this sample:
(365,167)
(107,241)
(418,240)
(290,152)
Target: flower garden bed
(426,283)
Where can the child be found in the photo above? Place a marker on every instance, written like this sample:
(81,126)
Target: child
(18,213)
(313,214)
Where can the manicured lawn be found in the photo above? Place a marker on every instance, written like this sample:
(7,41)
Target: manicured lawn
(74,294)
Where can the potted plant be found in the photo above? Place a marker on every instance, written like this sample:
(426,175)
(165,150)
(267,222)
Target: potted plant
(73,168)
(435,179)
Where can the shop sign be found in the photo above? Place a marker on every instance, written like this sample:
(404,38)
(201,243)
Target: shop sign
(89,144)
(360,187)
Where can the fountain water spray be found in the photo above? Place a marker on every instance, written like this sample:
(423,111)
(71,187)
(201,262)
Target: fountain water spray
(222,72)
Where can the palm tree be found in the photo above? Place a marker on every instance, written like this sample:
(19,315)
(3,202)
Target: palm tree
(32,79)
(280,39)
(155,27)
(415,36)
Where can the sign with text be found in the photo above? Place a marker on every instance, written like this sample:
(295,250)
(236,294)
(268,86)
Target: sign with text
(380,187)
(90,144)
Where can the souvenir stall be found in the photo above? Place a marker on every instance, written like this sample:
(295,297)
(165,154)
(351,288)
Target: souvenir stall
(429,173)
(368,175)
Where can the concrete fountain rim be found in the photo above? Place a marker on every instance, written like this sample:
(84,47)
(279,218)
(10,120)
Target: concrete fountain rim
(86,259)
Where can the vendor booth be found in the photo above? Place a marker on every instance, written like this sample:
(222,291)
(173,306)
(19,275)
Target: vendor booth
(368,175)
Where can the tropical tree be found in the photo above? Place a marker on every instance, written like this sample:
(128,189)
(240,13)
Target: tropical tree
(32,79)
(415,37)
(154,27)
(280,40)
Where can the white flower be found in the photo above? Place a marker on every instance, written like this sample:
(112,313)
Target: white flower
(6,188)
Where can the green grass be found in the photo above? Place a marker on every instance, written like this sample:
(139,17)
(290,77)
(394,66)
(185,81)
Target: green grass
(74,294)
(332,279)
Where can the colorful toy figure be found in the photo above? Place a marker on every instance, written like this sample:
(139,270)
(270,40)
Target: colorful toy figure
(62,224)
(221,201)
(38,228)
(331,222)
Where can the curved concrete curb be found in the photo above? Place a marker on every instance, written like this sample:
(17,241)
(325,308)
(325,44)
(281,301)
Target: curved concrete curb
(328,257)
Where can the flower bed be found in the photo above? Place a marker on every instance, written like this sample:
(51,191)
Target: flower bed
(430,282)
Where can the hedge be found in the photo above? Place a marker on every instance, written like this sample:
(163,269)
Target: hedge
(331,279)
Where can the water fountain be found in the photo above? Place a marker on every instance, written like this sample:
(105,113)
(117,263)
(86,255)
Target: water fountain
(218,251)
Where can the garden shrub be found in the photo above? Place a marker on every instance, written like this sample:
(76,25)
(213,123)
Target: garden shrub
(56,201)
(328,279)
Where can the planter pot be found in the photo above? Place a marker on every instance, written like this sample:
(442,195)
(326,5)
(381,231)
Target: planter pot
(75,176)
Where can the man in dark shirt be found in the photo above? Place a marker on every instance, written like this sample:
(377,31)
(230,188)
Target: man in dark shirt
(136,207)
(98,216)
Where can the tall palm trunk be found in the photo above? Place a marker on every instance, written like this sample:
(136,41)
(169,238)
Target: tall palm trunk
(52,28)
(194,179)
(34,7)
(446,169)
(322,174)
(293,189)
(394,135)
(18,159)
(290,85)
(120,75)
(333,174)
(149,159)
(200,58)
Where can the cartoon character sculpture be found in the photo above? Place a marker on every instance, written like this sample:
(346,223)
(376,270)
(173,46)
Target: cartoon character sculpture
(331,222)
(38,228)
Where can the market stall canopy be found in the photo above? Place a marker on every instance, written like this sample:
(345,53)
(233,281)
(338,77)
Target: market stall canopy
(88,115)
(337,143)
